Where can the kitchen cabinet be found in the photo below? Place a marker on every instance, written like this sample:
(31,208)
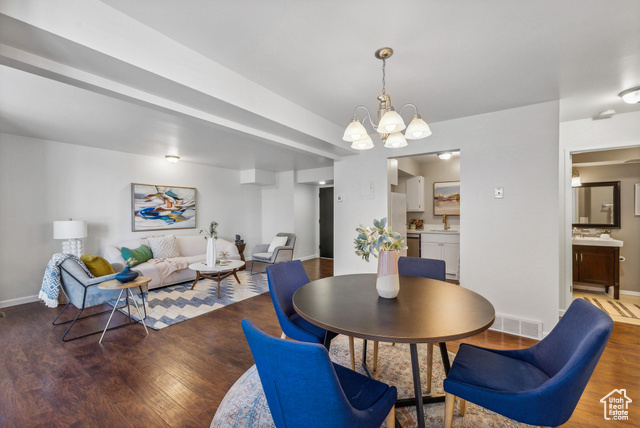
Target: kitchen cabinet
(442,246)
(597,265)
(415,194)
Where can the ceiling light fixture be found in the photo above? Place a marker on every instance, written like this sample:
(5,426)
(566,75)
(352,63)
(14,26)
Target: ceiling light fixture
(445,156)
(631,96)
(322,183)
(172,158)
(575,178)
(390,124)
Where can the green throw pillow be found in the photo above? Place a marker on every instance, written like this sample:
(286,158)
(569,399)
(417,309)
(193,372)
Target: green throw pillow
(141,254)
(97,265)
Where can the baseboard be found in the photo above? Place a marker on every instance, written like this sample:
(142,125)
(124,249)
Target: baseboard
(589,288)
(20,301)
(314,256)
(630,293)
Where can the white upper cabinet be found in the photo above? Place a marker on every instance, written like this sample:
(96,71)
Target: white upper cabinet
(415,194)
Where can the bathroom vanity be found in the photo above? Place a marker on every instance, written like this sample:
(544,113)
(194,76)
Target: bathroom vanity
(597,261)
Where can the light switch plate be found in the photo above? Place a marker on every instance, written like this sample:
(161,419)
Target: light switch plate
(499,192)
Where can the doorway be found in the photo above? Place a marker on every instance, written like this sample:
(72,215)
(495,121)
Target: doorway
(326,222)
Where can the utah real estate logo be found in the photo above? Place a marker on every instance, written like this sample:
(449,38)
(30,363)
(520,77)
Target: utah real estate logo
(616,405)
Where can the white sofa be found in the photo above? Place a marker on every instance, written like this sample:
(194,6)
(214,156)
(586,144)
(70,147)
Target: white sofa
(191,247)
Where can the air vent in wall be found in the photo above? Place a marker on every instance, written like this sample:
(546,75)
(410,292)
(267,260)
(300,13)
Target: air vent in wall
(519,327)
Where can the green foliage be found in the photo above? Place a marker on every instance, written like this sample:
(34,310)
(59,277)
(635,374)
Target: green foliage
(212,231)
(372,240)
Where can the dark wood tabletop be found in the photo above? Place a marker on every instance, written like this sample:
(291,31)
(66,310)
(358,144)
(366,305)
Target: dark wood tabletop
(426,310)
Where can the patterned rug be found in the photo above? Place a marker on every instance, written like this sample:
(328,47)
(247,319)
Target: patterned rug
(617,310)
(177,303)
(245,405)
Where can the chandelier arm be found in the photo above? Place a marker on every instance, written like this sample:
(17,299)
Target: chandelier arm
(366,117)
(407,105)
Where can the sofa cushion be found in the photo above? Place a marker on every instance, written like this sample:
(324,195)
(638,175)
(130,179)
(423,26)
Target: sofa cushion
(262,256)
(97,265)
(278,241)
(164,247)
(140,254)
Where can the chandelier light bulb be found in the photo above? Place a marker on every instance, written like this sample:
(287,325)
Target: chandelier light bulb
(391,122)
(395,141)
(364,144)
(417,129)
(355,131)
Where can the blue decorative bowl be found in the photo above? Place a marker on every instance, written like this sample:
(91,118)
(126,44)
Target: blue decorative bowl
(127,275)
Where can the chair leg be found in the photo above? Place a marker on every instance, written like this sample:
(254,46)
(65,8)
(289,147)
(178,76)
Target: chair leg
(429,365)
(352,352)
(391,418)
(462,405)
(375,356)
(449,403)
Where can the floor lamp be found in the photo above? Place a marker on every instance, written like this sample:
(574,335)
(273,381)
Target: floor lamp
(72,231)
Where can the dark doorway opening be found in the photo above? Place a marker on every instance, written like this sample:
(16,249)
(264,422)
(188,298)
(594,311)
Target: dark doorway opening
(326,222)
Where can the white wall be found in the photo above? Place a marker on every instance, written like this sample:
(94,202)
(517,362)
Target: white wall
(509,247)
(43,181)
(622,130)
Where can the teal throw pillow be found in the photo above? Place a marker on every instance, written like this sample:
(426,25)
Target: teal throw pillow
(141,254)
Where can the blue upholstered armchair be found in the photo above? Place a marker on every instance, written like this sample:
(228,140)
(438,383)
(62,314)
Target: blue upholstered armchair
(265,253)
(305,389)
(83,292)
(540,385)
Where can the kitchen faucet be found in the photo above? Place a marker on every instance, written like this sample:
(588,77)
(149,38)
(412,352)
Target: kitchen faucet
(446,224)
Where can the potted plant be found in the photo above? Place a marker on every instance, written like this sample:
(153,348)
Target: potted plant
(212,235)
(383,244)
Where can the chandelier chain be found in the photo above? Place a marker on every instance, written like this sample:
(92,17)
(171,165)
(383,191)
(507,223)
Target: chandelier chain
(384,63)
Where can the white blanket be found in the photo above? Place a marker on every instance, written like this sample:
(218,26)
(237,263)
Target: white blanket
(169,265)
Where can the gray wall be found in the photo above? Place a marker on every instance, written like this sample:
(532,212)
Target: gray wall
(628,175)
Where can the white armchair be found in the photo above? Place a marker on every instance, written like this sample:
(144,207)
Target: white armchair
(280,250)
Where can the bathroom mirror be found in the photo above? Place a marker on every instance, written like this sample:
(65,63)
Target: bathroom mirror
(597,205)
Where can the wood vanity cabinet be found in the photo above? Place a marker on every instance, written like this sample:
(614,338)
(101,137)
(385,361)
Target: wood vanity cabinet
(597,265)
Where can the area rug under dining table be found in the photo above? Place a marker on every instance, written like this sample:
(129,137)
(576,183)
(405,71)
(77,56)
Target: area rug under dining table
(245,404)
(176,303)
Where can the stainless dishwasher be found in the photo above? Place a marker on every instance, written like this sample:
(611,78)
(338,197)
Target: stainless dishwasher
(413,244)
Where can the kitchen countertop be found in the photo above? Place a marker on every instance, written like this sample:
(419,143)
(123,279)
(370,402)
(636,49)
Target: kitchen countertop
(441,231)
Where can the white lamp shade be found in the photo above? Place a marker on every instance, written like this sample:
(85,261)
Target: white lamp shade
(417,129)
(395,141)
(391,122)
(355,131)
(364,144)
(70,229)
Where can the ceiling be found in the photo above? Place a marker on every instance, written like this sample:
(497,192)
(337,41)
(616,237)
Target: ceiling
(271,85)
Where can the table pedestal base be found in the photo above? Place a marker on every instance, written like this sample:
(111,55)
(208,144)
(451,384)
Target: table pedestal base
(218,278)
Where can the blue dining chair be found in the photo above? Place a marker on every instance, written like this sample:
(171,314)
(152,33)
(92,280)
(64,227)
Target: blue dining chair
(540,385)
(305,389)
(284,279)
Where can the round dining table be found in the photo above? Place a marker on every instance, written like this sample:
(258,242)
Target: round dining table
(425,311)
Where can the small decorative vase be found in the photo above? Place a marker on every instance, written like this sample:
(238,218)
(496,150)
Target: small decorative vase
(211,252)
(388,282)
(127,275)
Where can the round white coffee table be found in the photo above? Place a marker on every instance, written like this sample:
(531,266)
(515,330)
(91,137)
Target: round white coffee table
(217,273)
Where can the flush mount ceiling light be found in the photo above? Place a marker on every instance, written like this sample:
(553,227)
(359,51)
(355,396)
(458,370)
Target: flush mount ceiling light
(575,178)
(322,183)
(172,158)
(445,156)
(390,124)
(631,96)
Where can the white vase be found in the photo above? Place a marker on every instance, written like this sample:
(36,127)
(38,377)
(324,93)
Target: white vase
(388,281)
(211,252)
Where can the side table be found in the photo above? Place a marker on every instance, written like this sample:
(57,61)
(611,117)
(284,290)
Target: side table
(114,284)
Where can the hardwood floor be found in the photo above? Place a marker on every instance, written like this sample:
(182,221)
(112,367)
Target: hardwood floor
(178,376)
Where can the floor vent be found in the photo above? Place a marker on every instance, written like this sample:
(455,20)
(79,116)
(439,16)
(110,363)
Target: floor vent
(519,327)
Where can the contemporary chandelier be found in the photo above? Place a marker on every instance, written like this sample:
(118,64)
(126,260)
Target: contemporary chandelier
(390,124)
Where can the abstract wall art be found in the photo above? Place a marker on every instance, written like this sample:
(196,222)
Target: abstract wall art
(446,198)
(156,207)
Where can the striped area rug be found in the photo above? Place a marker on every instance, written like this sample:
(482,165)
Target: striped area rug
(617,310)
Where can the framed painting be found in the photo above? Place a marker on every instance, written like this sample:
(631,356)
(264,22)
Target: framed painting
(446,198)
(156,207)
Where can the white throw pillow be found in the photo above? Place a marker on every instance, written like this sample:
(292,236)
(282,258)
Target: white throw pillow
(278,241)
(163,247)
